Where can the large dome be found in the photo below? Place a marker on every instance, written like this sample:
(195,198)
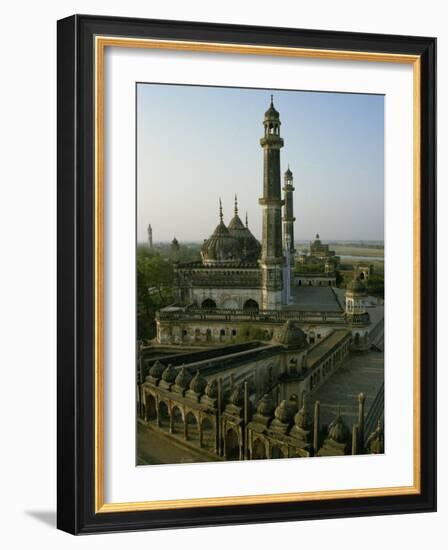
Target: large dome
(221,247)
(250,247)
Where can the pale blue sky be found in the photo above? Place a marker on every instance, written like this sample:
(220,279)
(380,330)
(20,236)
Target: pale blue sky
(196,144)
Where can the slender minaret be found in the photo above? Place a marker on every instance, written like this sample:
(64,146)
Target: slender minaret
(288,212)
(150,237)
(288,233)
(271,262)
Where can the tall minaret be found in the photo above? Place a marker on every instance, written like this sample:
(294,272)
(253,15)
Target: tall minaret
(272,259)
(288,212)
(150,237)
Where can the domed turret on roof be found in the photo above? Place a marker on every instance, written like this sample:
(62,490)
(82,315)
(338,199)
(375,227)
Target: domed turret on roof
(285,412)
(355,286)
(183,378)
(222,247)
(292,335)
(155,372)
(338,431)
(169,374)
(198,383)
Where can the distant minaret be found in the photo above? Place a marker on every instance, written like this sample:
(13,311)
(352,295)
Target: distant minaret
(272,259)
(288,212)
(150,237)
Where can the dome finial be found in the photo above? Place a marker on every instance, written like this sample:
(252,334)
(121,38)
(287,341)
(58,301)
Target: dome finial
(220,209)
(272,100)
(236,205)
(247,220)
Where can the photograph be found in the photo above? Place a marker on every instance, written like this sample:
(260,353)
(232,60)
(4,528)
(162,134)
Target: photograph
(259,274)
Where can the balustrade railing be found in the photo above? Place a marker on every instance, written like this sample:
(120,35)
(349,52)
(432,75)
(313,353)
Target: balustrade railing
(250,315)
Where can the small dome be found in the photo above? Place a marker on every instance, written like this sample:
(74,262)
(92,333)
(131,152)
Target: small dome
(211,390)
(183,378)
(266,406)
(271,113)
(375,442)
(292,335)
(286,411)
(169,374)
(338,431)
(356,286)
(303,418)
(198,383)
(157,369)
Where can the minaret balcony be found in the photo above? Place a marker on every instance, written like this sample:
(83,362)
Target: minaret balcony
(271,140)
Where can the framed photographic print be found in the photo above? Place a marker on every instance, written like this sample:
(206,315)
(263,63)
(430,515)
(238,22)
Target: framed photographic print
(246,271)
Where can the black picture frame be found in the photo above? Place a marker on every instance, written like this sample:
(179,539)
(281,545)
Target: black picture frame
(76,251)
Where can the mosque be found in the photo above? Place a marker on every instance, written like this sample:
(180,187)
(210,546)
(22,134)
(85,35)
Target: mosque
(251,342)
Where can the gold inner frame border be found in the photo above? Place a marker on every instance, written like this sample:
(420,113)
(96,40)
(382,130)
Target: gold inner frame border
(101,42)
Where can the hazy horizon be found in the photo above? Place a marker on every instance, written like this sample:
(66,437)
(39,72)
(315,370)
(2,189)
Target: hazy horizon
(197,144)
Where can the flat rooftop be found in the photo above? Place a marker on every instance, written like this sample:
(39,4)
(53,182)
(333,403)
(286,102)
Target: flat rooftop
(313,298)
(360,372)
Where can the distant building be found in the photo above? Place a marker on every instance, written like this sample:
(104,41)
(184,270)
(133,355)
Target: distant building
(364,271)
(318,267)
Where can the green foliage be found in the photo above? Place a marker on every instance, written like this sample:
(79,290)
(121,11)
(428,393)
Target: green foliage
(155,281)
(375,285)
(154,289)
(247,332)
(309,268)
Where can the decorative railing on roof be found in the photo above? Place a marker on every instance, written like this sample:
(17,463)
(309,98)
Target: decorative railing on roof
(186,314)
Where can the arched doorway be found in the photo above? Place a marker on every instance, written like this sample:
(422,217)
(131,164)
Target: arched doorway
(192,427)
(232,445)
(208,434)
(250,305)
(208,304)
(258,450)
(164,415)
(362,276)
(178,421)
(208,335)
(151,411)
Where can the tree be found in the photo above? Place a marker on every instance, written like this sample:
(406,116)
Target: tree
(154,290)
(375,285)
